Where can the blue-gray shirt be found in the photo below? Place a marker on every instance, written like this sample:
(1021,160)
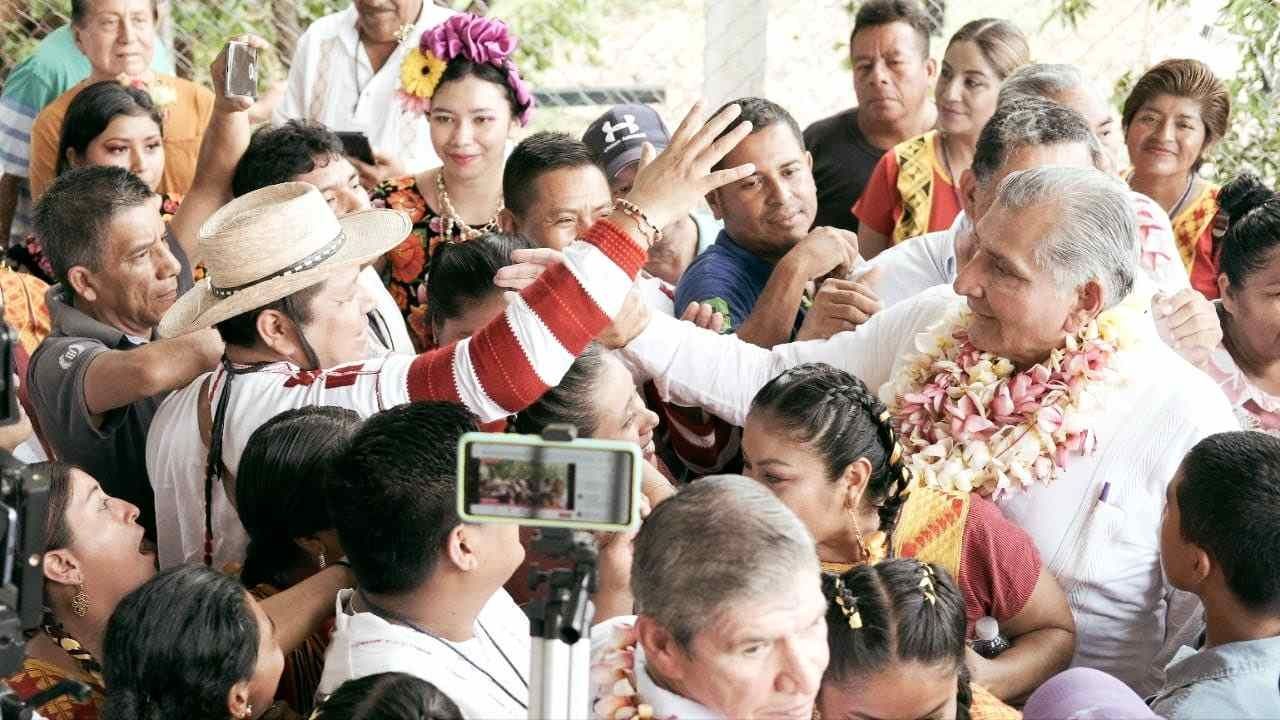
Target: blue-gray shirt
(730,278)
(1235,680)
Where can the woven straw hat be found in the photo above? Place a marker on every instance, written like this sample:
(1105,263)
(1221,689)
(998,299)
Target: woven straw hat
(273,242)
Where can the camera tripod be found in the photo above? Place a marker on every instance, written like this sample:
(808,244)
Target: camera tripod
(559,625)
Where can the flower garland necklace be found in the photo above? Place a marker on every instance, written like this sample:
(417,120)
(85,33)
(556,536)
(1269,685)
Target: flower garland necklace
(970,421)
(615,672)
(452,221)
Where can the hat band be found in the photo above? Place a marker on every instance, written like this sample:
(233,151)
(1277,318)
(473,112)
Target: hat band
(306,263)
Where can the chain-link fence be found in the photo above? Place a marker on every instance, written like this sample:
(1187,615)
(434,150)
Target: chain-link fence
(584,55)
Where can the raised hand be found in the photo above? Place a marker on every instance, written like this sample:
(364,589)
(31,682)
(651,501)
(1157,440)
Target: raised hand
(218,74)
(827,251)
(671,184)
(1188,323)
(630,321)
(526,265)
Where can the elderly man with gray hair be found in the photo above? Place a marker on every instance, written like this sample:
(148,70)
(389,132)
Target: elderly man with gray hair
(1031,380)
(731,615)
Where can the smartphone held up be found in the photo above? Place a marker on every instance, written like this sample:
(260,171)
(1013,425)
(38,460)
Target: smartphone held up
(242,70)
(526,480)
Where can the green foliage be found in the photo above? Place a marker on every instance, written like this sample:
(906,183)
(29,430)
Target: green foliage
(1072,12)
(201,28)
(24,25)
(552,32)
(1254,140)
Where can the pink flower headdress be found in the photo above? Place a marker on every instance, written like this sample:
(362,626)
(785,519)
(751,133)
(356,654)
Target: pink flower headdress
(478,39)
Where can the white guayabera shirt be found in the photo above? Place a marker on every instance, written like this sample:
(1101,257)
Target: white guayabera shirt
(1106,555)
(332,82)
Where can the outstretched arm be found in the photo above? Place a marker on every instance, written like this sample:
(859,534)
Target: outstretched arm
(225,140)
(512,361)
(722,374)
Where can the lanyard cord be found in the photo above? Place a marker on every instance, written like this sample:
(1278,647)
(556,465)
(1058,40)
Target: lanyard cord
(393,617)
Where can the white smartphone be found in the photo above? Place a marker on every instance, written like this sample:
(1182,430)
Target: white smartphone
(522,479)
(242,70)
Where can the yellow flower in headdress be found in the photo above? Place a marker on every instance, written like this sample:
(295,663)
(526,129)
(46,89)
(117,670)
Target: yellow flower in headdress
(420,74)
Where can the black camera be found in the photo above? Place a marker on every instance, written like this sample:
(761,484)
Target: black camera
(24,501)
(24,497)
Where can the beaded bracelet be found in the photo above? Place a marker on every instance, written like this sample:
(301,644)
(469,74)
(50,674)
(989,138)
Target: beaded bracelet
(633,211)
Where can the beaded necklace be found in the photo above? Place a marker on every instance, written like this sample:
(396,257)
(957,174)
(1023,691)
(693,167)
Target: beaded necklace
(63,639)
(451,219)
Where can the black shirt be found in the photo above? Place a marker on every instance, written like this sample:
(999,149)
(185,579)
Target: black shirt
(843,159)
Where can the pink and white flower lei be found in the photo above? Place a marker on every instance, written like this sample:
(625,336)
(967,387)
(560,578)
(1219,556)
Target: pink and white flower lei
(613,673)
(968,420)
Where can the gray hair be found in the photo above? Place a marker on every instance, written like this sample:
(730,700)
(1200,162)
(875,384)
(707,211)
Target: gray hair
(719,541)
(1045,80)
(1096,229)
(1025,122)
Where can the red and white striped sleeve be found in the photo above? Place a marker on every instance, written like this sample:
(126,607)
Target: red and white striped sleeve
(512,361)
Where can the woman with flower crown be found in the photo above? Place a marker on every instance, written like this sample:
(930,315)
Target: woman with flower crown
(462,77)
(826,447)
(1045,385)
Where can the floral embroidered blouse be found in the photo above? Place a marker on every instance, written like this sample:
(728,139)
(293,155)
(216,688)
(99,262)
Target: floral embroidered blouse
(408,263)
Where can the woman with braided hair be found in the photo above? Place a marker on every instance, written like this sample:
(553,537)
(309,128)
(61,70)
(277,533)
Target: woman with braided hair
(896,632)
(822,442)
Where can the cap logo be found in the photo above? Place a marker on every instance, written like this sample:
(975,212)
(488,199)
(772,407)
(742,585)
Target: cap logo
(628,124)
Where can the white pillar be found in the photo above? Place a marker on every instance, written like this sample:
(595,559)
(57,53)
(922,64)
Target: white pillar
(735,50)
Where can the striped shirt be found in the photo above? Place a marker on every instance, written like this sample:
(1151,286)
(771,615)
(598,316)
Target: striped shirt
(500,370)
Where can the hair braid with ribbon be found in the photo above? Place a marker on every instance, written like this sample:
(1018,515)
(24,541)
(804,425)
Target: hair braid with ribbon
(899,610)
(898,474)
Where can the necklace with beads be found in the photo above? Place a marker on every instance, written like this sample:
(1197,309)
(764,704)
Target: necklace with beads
(452,221)
(68,644)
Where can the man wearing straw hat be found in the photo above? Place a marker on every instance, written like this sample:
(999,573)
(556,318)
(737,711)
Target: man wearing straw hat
(282,291)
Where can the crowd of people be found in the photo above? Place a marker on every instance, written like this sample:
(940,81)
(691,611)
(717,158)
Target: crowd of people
(961,403)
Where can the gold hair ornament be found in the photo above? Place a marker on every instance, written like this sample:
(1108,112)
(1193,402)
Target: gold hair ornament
(927,587)
(848,605)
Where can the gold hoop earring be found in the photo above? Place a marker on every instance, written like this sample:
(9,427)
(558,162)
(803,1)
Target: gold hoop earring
(80,603)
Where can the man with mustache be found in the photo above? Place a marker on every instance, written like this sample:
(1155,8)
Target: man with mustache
(345,73)
(892,73)
(757,272)
(99,377)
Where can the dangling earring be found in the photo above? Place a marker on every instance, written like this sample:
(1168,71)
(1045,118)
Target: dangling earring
(248,712)
(857,535)
(322,561)
(873,551)
(80,603)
